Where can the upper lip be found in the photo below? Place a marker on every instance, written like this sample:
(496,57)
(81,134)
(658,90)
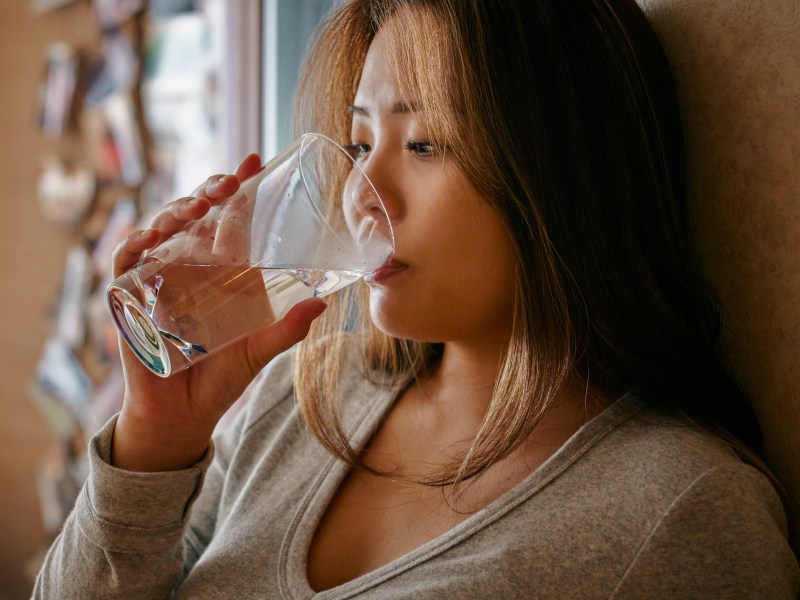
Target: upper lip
(392,264)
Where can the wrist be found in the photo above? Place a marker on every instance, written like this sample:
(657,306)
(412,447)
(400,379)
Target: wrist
(144,446)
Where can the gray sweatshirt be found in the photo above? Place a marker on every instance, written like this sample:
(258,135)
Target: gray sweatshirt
(635,505)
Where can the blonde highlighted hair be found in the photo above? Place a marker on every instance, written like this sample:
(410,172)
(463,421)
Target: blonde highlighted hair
(564,116)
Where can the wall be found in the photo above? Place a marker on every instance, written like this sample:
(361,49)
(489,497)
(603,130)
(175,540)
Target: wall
(28,315)
(32,257)
(738,69)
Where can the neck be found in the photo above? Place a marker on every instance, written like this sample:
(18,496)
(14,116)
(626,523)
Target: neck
(458,388)
(436,418)
(454,395)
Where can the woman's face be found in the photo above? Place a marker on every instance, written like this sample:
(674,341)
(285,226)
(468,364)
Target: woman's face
(452,274)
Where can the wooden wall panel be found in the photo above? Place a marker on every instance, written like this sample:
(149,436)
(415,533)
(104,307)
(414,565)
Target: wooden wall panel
(32,260)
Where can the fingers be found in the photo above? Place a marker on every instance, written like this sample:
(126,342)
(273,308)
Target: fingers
(283,334)
(250,165)
(233,233)
(232,239)
(222,186)
(129,251)
(165,223)
(217,187)
(174,216)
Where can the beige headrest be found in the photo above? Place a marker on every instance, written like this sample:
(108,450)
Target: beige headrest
(737,64)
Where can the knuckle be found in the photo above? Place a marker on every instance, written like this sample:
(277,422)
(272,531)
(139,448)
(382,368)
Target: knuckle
(177,207)
(208,184)
(131,237)
(168,211)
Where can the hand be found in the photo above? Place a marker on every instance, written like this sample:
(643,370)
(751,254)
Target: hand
(166,424)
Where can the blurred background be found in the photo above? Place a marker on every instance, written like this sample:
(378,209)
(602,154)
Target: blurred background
(109,109)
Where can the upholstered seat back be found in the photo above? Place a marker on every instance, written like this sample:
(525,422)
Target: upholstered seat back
(737,64)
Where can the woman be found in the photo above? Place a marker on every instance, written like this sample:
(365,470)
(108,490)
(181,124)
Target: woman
(533,408)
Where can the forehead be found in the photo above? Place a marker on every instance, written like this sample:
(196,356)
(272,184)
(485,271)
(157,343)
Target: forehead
(403,77)
(378,88)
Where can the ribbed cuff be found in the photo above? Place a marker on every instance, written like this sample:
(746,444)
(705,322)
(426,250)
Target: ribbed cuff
(126,511)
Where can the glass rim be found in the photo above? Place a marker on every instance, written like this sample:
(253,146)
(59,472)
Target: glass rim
(303,141)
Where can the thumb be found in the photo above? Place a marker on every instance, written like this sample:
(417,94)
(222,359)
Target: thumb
(281,335)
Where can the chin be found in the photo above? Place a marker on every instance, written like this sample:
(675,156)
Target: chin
(393,326)
(406,325)
(397,320)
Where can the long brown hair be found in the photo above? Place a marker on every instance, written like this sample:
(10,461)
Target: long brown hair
(564,116)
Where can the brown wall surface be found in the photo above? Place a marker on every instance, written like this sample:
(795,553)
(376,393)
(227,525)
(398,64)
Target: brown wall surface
(738,70)
(32,256)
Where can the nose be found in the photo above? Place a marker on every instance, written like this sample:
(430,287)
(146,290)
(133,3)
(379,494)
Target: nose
(365,206)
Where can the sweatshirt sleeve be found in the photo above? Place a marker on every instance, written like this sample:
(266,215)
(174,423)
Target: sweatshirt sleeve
(723,537)
(124,538)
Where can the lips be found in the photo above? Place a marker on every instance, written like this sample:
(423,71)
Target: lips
(390,267)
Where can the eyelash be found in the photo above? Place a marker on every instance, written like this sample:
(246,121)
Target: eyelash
(420,148)
(416,147)
(357,151)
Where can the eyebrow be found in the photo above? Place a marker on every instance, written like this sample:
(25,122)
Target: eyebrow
(397,108)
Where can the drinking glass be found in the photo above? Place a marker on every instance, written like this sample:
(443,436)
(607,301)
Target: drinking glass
(307,224)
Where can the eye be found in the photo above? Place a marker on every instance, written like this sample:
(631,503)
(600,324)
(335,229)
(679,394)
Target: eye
(357,151)
(421,149)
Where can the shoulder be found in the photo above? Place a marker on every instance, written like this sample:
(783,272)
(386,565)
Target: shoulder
(708,524)
(723,536)
(660,459)
(637,460)
(661,451)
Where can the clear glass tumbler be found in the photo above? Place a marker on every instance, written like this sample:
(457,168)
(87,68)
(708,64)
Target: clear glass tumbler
(307,224)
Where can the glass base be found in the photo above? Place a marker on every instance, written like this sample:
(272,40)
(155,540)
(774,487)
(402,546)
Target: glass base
(139,331)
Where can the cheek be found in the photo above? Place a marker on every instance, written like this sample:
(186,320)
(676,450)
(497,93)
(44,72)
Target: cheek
(469,302)
(479,274)
(463,276)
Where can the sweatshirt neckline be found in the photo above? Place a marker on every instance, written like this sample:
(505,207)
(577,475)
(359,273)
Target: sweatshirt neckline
(293,558)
